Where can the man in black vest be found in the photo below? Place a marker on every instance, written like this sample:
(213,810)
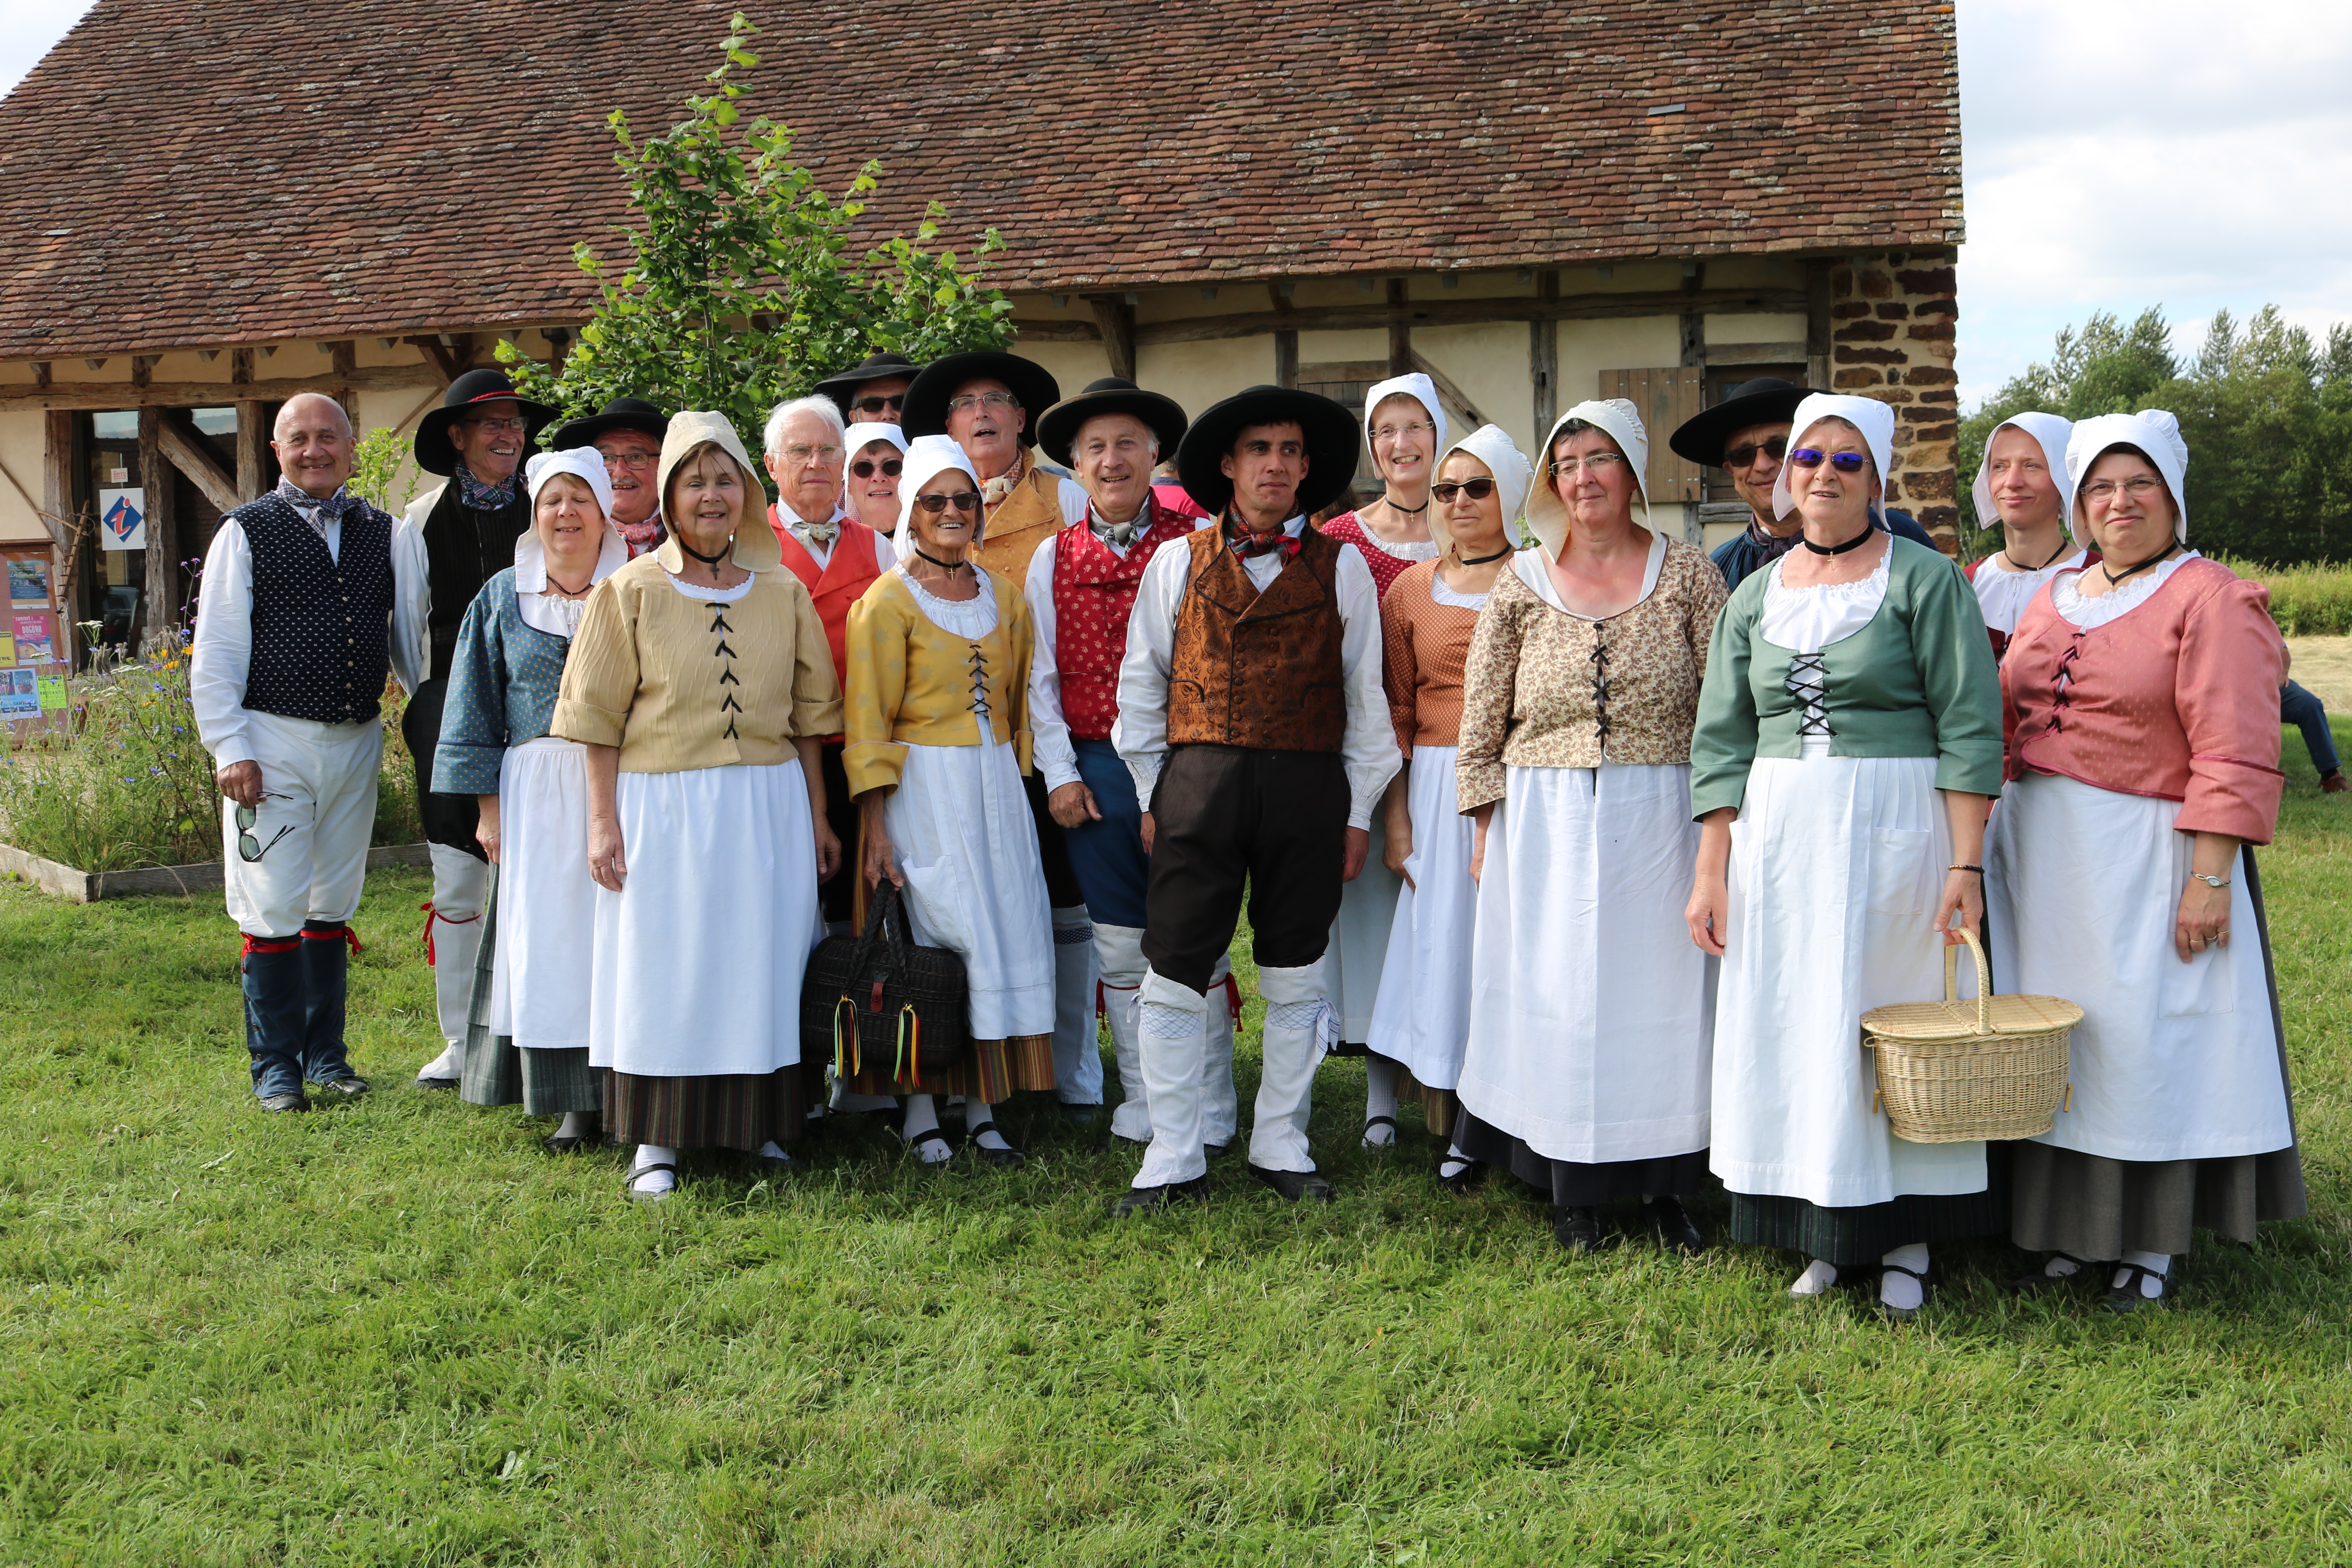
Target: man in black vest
(479,438)
(310,597)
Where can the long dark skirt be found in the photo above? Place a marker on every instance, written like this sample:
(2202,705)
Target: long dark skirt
(1867,1232)
(727,1111)
(543,1082)
(1569,1184)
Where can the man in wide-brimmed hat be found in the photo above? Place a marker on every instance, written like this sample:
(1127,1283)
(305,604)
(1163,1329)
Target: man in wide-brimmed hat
(873,390)
(1252,714)
(1082,583)
(988,404)
(478,438)
(627,434)
(1745,435)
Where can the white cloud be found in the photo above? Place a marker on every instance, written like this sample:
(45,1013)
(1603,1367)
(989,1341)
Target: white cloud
(2123,153)
(29,29)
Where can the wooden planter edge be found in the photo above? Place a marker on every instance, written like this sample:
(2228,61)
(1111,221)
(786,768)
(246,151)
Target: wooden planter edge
(88,886)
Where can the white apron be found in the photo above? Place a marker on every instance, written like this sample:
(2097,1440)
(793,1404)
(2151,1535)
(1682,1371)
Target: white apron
(1422,1016)
(541,975)
(1360,940)
(2172,1061)
(699,956)
(1590,1011)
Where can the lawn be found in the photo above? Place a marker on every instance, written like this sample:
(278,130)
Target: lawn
(398,1332)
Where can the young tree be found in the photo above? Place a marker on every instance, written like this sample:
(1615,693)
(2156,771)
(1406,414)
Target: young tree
(740,290)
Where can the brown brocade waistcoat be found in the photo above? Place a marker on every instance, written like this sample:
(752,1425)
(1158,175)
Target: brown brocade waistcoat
(1258,669)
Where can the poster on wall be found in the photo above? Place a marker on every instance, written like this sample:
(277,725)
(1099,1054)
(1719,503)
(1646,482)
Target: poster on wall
(34,644)
(123,519)
(52,689)
(28,580)
(20,694)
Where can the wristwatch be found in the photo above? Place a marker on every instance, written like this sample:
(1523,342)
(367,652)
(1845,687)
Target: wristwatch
(2216,882)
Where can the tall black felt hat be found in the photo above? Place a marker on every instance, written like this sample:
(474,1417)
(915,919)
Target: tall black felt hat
(1766,400)
(621,414)
(434,454)
(1058,426)
(843,388)
(1330,428)
(926,410)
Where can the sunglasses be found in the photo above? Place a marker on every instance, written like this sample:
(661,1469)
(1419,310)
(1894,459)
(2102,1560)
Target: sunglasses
(963,500)
(248,847)
(880,405)
(1843,462)
(1476,489)
(1744,456)
(864,467)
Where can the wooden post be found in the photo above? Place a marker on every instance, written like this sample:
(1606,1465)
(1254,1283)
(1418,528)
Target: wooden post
(1399,334)
(252,439)
(1817,322)
(58,499)
(1115,319)
(344,357)
(1286,357)
(155,476)
(1543,357)
(188,453)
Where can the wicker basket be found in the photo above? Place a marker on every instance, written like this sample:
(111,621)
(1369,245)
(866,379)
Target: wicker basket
(1957,1071)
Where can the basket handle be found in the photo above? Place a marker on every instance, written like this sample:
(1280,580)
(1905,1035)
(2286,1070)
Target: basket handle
(1952,978)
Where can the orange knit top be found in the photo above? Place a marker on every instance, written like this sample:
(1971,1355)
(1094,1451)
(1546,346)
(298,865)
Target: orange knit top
(1427,644)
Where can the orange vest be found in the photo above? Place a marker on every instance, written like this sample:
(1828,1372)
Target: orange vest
(848,572)
(1027,516)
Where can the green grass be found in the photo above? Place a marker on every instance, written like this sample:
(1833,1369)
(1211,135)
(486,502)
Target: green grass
(396,1332)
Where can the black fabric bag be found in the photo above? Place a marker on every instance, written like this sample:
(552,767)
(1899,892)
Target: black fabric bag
(879,994)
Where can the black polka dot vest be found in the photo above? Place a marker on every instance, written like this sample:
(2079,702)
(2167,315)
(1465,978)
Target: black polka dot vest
(321,627)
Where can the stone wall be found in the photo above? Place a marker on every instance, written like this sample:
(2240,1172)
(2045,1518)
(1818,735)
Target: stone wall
(1893,316)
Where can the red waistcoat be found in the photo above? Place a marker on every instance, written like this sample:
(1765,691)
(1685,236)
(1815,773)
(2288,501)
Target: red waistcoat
(848,571)
(1094,589)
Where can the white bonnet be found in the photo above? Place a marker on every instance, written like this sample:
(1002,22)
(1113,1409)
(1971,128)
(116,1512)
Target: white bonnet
(928,457)
(584,461)
(2153,431)
(1514,478)
(1417,387)
(1546,513)
(1875,419)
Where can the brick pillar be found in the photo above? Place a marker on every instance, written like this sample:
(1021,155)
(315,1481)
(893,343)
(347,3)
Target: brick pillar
(1893,316)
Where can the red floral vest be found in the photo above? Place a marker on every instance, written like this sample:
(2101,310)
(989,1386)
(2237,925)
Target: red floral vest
(1386,568)
(1094,589)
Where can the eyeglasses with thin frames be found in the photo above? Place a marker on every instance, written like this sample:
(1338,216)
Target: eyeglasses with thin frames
(801,453)
(996,401)
(1598,464)
(501,427)
(635,462)
(2139,486)
(248,847)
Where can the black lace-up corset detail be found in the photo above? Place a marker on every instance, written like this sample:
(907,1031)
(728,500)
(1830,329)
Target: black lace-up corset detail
(727,678)
(1601,685)
(978,665)
(2061,685)
(1808,683)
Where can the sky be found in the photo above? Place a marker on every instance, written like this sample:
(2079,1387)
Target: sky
(2117,154)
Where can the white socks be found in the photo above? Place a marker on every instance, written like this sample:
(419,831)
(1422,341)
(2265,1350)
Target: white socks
(2061,1266)
(576,1125)
(1455,1163)
(771,1150)
(2151,1285)
(976,1114)
(923,1117)
(447,1068)
(1816,1278)
(652,1184)
(1379,1098)
(1901,1291)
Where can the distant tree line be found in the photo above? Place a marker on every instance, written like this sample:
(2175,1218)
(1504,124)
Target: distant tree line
(2266,410)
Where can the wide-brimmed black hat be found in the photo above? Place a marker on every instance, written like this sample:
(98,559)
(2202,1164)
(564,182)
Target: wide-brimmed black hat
(926,409)
(621,414)
(1058,426)
(843,388)
(434,454)
(1330,428)
(1766,400)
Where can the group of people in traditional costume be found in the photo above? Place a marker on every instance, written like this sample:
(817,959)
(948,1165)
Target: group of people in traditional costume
(1596,849)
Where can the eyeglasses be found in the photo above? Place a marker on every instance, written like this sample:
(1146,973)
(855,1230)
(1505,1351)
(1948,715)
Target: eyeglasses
(890,405)
(864,467)
(802,454)
(248,847)
(500,426)
(2139,486)
(635,462)
(1745,457)
(1843,462)
(962,500)
(1394,432)
(1000,402)
(1447,490)
(1598,464)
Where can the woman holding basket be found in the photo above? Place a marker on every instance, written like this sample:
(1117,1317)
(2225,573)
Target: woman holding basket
(1848,742)
(2140,698)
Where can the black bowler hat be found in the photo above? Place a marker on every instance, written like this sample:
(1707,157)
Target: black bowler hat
(1329,429)
(1058,426)
(843,388)
(926,409)
(621,414)
(1766,400)
(434,454)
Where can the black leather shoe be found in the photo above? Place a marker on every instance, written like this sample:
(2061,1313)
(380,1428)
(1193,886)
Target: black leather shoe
(284,1102)
(1580,1230)
(1671,1224)
(350,1086)
(1216,1151)
(1152,1200)
(2128,1297)
(2041,1282)
(1468,1174)
(1295,1185)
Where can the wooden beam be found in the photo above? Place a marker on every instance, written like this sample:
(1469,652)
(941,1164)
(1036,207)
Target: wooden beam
(70,525)
(1756,354)
(1469,312)
(451,363)
(1817,323)
(343,356)
(214,394)
(1446,389)
(252,448)
(163,539)
(1543,357)
(188,453)
(1115,321)
(1694,338)
(1400,331)
(1058,331)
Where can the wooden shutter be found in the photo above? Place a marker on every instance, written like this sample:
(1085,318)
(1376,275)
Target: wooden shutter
(1666,398)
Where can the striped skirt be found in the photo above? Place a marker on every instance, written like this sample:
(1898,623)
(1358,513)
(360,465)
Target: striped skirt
(731,1111)
(989,1071)
(543,1082)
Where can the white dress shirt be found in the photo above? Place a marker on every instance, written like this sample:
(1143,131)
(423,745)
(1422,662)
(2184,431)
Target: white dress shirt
(1368,748)
(221,660)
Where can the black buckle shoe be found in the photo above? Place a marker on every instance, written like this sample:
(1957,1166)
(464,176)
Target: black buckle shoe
(1672,1225)
(1152,1200)
(2126,1298)
(1004,1158)
(282,1102)
(2042,1281)
(350,1086)
(1295,1185)
(1580,1230)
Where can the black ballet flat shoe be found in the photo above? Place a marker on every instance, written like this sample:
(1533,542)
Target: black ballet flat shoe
(2038,1283)
(915,1146)
(629,1182)
(1154,1200)
(1216,1151)
(555,1144)
(1388,1122)
(1580,1230)
(280,1103)
(1672,1225)
(1003,1159)
(1294,1186)
(2126,1299)
(1472,1174)
(1901,1314)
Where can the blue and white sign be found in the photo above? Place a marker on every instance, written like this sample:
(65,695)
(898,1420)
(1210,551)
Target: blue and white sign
(123,519)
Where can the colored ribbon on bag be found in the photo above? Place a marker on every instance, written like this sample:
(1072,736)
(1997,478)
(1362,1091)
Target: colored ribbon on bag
(432,914)
(910,1045)
(847,1049)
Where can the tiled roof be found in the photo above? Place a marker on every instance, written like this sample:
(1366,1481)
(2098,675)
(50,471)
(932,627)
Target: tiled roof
(227,170)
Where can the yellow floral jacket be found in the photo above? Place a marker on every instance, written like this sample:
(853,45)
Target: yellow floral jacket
(913,684)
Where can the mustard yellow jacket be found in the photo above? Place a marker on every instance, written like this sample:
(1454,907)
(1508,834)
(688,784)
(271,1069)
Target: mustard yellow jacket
(912,684)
